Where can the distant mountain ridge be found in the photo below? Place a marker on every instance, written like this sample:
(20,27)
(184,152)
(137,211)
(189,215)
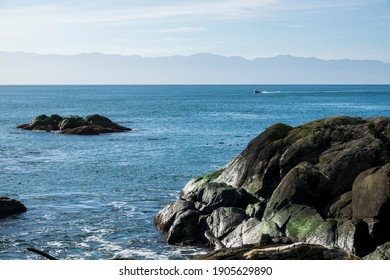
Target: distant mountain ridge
(97,68)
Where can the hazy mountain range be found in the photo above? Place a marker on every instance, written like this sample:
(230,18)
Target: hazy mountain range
(97,68)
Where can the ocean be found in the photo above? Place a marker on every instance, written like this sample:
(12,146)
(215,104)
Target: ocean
(94,197)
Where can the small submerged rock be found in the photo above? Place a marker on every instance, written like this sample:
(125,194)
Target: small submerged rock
(9,206)
(74,125)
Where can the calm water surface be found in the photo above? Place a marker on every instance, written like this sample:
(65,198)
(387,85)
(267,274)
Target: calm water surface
(94,197)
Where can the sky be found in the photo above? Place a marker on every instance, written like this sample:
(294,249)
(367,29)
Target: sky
(326,29)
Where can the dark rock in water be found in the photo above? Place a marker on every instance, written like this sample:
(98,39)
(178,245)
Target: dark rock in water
(208,208)
(81,130)
(103,124)
(179,222)
(74,125)
(9,206)
(43,122)
(326,182)
(184,229)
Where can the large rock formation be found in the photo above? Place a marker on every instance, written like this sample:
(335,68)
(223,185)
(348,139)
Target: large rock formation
(90,125)
(326,182)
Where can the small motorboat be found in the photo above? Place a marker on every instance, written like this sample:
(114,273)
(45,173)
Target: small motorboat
(257,91)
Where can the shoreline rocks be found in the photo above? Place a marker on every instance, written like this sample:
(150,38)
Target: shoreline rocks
(74,125)
(295,251)
(326,183)
(9,206)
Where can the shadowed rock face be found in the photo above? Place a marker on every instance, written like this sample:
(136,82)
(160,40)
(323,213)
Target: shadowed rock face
(371,193)
(325,182)
(74,125)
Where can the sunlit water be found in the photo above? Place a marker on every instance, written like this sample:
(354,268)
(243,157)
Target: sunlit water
(94,197)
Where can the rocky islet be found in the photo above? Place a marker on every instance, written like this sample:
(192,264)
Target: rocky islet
(74,125)
(324,183)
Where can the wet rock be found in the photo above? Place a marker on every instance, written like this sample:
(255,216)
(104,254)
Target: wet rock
(216,207)
(103,124)
(81,130)
(185,229)
(43,122)
(166,217)
(9,206)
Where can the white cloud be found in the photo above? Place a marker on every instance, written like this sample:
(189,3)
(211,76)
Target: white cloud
(57,13)
(329,4)
(183,29)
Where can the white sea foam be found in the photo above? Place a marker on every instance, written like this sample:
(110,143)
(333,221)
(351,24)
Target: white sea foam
(136,254)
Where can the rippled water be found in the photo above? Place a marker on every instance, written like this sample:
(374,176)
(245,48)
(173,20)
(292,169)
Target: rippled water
(94,197)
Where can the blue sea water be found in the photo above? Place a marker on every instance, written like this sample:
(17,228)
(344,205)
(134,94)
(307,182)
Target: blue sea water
(94,197)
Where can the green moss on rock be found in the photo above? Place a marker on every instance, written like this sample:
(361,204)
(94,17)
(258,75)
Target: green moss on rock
(39,118)
(210,176)
(303,223)
(72,122)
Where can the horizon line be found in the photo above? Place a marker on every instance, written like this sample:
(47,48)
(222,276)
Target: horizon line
(200,84)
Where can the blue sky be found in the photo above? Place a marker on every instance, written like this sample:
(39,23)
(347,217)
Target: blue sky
(327,29)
